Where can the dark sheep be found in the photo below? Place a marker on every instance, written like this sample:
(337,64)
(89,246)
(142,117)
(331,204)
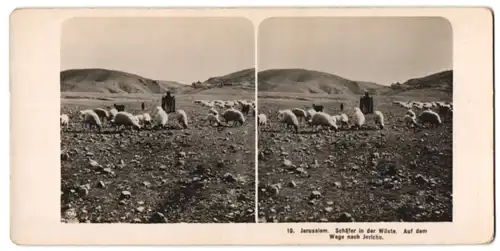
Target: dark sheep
(318,108)
(119,108)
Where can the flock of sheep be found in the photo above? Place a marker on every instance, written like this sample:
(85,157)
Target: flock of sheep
(117,117)
(316,117)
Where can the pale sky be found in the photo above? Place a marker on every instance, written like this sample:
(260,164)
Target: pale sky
(178,49)
(375,49)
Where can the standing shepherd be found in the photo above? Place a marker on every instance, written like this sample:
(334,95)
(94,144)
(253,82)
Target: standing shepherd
(341,107)
(143,106)
(366,104)
(168,103)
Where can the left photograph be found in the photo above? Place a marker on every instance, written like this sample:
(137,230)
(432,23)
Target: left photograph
(157,120)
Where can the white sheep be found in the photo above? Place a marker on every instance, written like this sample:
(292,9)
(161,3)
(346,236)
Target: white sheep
(310,113)
(411,113)
(410,120)
(262,119)
(323,119)
(112,113)
(300,113)
(429,116)
(182,118)
(379,119)
(102,113)
(161,117)
(213,118)
(90,118)
(233,115)
(147,118)
(342,119)
(126,119)
(358,118)
(64,120)
(288,117)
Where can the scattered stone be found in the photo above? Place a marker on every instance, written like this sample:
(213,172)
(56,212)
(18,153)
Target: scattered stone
(122,202)
(140,209)
(158,218)
(337,184)
(328,209)
(125,195)
(93,163)
(182,154)
(229,177)
(315,195)
(287,163)
(163,167)
(375,155)
(64,156)
(136,220)
(146,184)
(292,184)
(345,217)
(101,184)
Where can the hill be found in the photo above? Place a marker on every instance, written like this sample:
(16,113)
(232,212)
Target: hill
(310,82)
(437,83)
(113,81)
(243,80)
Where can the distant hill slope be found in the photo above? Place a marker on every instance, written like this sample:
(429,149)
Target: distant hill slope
(113,81)
(243,80)
(309,81)
(441,82)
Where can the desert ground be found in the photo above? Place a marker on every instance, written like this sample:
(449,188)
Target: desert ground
(391,175)
(194,175)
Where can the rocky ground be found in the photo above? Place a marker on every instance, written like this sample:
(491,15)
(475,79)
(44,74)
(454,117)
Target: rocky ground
(199,174)
(395,174)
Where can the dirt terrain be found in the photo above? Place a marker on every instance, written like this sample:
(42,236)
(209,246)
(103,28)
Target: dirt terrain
(199,174)
(394,174)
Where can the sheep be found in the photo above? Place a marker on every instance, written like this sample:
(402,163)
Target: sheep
(245,108)
(300,113)
(182,118)
(112,113)
(214,118)
(323,119)
(119,108)
(288,117)
(358,118)
(410,120)
(310,113)
(233,115)
(126,119)
(91,119)
(102,113)
(64,120)
(342,119)
(379,119)
(411,113)
(318,108)
(147,118)
(429,116)
(262,119)
(161,117)
(445,111)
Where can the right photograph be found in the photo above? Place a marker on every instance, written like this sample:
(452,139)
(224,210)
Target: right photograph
(355,119)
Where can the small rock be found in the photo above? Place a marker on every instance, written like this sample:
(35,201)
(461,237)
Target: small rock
(140,209)
(329,202)
(70,213)
(315,195)
(375,155)
(328,209)
(136,220)
(64,156)
(181,163)
(93,163)
(287,163)
(158,218)
(292,184)
(300,170)
(337,184)
(146,184)
(229,177)
(125,195)
(83,191)
(323,220)
(345,217)
(163,167)
(101,184)
(122,202)
(182,154)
